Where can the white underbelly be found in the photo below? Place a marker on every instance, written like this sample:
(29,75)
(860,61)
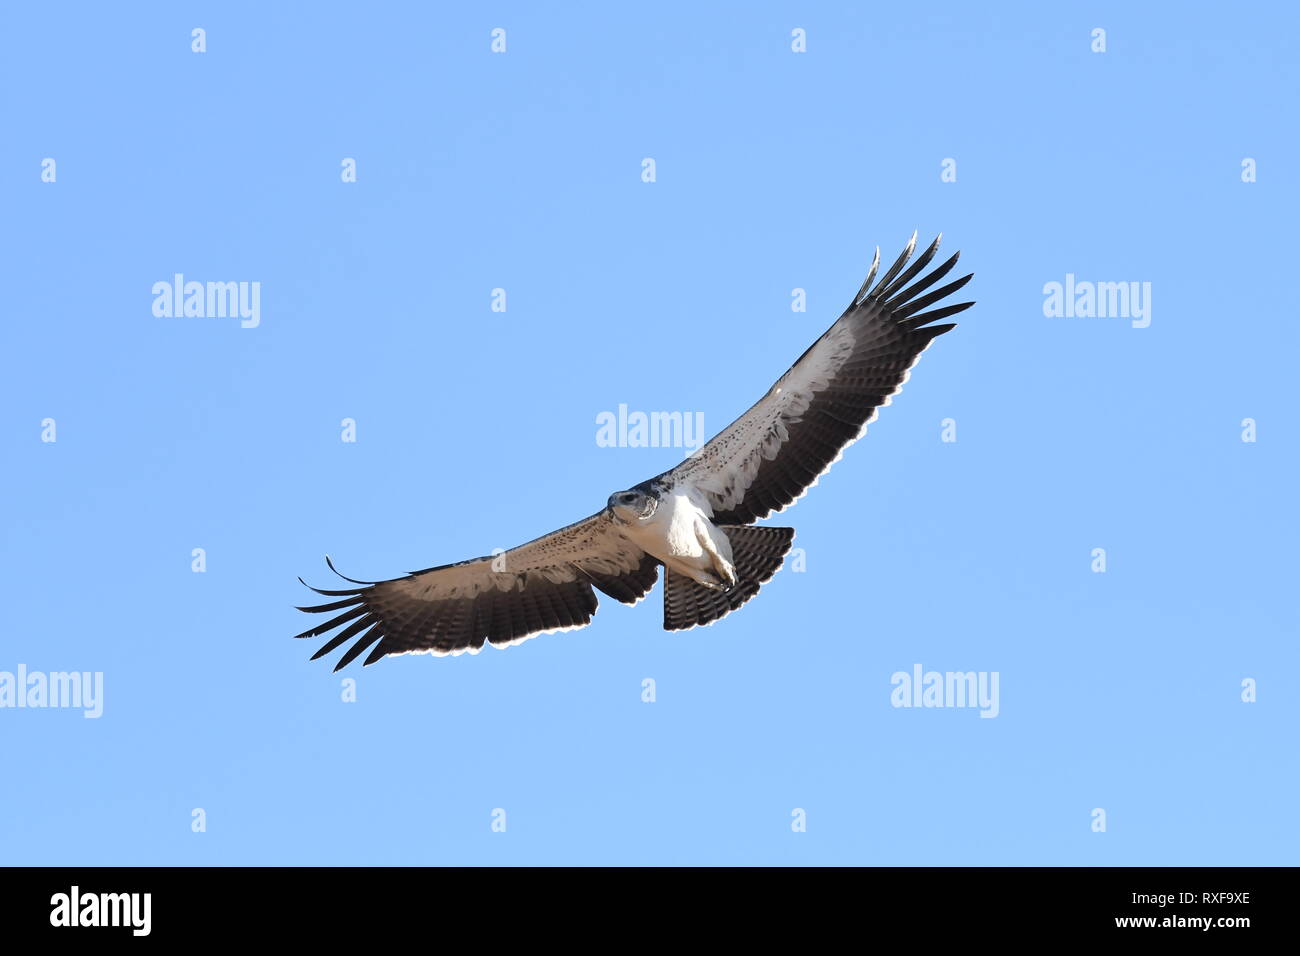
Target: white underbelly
(672,533)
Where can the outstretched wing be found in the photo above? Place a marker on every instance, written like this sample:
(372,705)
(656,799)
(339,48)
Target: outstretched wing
(536,588)
(766,459)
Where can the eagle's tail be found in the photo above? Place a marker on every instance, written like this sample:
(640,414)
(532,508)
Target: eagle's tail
(757,554)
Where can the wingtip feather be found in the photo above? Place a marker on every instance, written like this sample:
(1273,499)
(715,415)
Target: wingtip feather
(329,561)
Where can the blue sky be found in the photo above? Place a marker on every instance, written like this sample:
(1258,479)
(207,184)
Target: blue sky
(775,171)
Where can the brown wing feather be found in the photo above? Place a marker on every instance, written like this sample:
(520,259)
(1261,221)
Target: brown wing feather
(540,587)
(766,459)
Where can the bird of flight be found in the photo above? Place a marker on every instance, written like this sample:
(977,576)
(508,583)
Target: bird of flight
(696,520)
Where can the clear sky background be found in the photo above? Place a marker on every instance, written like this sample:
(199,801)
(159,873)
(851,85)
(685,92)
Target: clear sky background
(775,171)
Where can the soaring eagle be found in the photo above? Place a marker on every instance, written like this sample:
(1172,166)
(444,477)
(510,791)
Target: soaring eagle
(696,520)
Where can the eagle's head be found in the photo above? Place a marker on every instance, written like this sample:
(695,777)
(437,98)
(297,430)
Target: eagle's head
(632,505)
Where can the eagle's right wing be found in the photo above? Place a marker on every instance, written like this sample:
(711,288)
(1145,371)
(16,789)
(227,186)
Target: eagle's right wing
(536,588)
(766,459)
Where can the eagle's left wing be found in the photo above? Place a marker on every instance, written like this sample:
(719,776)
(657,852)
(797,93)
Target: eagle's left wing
(767,458)
(536,588)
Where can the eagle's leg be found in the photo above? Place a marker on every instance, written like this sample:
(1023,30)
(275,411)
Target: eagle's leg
(708,535)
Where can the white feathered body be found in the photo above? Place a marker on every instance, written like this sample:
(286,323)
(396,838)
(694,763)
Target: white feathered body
(681,535)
